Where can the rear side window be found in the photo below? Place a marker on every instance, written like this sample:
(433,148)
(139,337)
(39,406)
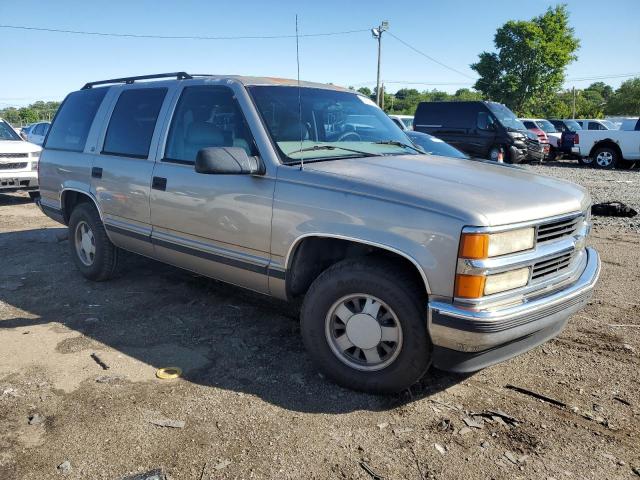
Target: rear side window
(133,122)
(446,114)
(72,122)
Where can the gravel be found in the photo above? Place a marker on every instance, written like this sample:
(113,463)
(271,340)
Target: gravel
(604,186)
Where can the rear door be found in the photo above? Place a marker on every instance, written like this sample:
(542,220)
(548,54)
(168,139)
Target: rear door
(217,225)
(121,173)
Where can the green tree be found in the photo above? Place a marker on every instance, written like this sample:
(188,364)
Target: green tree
(626,99)
(365,91)
(28,115)
(528,68)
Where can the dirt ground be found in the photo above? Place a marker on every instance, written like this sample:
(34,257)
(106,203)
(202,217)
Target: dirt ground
(251,402)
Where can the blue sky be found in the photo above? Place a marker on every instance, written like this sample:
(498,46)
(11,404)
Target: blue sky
(39,65)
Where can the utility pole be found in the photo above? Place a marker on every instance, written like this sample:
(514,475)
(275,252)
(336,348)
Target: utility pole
(377,34)
(574,102)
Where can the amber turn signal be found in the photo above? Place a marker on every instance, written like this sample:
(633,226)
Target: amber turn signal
(469,286)
(474,245)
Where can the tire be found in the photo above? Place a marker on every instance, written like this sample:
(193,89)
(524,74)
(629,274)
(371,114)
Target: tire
(86,233)
(553,155)
(401,361)
(493,153)
(585,161)
(34,195)
(605,158)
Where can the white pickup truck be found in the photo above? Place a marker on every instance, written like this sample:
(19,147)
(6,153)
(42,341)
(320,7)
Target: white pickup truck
(609,148)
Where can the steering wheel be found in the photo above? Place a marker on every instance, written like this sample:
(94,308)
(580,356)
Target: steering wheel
(344,136)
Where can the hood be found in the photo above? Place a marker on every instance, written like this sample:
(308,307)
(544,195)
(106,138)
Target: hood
(476,192)
(18,146)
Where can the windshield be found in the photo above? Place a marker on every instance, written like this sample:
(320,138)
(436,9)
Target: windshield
(572,125)
(321,124)
(506,117)
(8,133)
(546,126)
(434,145)
(609,125)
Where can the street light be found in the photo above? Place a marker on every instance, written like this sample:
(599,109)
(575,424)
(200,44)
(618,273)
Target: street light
(377,34)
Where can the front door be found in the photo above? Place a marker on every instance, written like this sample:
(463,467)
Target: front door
(217,225)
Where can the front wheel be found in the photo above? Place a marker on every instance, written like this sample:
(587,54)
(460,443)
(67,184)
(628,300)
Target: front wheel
(365,328)
(92,251)
(605,158)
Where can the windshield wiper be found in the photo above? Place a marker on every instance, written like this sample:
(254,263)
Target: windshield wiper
(399,144)
(332,147)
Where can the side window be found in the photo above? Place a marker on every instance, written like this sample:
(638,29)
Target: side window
(594,126)
(206,116)
(133,122)
(485,121)
(72,122)
(38,130)
(529,124)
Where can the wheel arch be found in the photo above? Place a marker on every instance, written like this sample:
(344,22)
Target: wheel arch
(353,245)
(606,143)
(71,197)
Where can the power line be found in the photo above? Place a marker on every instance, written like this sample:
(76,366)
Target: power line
(179,37)
(411,82)
(603,77)
(430,57)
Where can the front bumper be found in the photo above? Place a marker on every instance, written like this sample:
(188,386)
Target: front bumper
(466,340)
(10,181)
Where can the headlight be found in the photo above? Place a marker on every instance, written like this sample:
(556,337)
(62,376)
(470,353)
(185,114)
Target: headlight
(486,245)
(476,286)
(35,154)
(501,282)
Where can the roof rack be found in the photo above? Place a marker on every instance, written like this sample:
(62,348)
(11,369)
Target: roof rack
(129,80)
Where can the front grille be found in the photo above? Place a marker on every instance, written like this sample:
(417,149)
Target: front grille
(14,155)
(13,166)
(557,229)
(551,266)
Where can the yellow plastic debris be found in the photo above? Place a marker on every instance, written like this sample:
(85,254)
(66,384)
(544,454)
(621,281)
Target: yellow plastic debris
(168,372)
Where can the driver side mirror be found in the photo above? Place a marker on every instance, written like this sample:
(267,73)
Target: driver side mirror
(227,161)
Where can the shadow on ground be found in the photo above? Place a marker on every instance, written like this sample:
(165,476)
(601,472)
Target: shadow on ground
(12,200)
(155,313)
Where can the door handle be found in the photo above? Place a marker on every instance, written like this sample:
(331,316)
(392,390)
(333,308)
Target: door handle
(159,183)
(96,172)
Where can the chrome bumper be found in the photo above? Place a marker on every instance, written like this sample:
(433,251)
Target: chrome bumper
(465,339)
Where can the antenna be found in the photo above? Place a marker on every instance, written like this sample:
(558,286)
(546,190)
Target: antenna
(299,94)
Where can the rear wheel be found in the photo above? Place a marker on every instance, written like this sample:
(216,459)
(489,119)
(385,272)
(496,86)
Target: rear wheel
(605,158)
(364,327)
(92,251)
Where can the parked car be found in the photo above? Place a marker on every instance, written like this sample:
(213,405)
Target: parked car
(609,149)
(37,132)
(569,137)
(405,122)
(480,129)
(433,145)
(18,162)
(630,124)
(403,260)
(596,124)
(546,133)
(24,131)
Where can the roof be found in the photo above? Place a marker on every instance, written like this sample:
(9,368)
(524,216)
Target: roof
(245,80)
